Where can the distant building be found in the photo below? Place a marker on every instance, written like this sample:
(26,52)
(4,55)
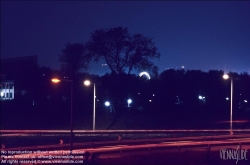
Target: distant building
(6,90)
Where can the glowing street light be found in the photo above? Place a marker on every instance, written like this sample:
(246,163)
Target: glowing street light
(226,76)
(56,80)
(107,103)
(129,102)
(202,98)
(88,83)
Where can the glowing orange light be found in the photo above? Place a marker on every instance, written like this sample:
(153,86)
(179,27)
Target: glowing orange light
(55,80)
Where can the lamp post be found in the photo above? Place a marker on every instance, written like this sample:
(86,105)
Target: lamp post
(55,80)
(129,102)
(225,76)
(87,83)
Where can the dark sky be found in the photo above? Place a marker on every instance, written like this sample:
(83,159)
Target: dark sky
(198,35)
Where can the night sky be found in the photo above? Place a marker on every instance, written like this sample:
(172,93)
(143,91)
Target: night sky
(198,35)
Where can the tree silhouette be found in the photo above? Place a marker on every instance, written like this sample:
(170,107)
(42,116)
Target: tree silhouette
(74,59)
(122,51)
(142,50)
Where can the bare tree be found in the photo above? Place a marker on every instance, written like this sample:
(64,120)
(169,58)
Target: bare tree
(142,52)
(122,51)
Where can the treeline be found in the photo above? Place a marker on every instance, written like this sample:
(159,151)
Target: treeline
(187,90)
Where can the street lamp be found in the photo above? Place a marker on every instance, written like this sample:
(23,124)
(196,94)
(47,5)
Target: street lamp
(88,83)
(55,80)
(129,102)
(226,76)
(107,103)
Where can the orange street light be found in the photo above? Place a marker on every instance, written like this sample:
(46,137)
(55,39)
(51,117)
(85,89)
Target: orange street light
(55,80)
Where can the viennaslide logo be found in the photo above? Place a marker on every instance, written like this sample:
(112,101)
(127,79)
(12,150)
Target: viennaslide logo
(233,154)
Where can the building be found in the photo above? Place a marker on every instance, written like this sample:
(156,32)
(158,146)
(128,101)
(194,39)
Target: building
(6,90)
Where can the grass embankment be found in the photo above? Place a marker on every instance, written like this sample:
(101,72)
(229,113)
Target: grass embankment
(126,119)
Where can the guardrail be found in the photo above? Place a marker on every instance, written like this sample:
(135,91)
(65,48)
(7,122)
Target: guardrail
(122,131)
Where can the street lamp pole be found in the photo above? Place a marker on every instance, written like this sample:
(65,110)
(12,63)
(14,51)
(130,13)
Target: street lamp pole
(94,110)
(55,80)
(231,108)
(88,83)
(225,76)
(71,119)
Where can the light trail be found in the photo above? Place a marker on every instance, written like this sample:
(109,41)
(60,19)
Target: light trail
(118,149)
(135,142)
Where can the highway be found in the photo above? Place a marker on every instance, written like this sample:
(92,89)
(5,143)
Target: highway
(213,140)
(131,142)
(121,148)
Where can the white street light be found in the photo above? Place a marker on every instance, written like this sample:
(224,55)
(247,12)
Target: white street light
(88,83)
(107,103)
(129,102)
(226,76)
